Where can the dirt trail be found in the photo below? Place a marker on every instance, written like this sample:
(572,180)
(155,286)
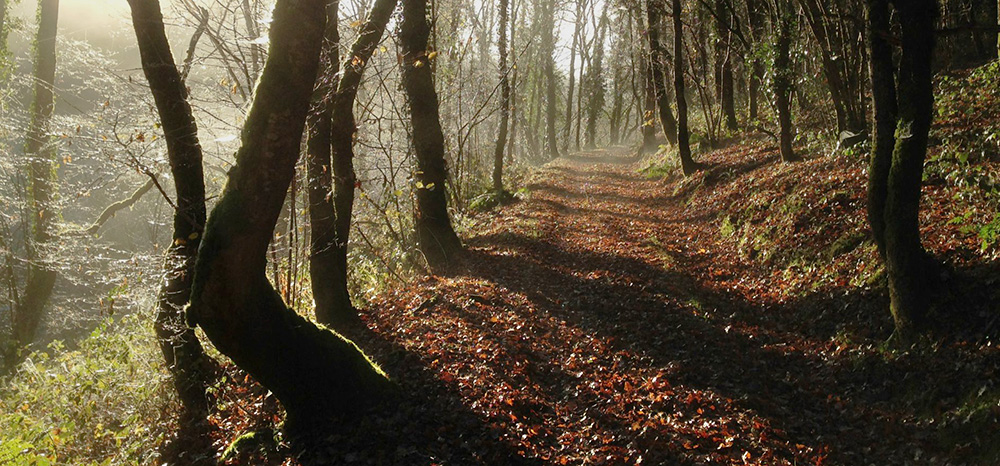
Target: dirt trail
(592,324)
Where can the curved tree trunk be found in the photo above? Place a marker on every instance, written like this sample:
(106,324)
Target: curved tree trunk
(688,165)
(498,151)
(437,239)
(886,110)
(40,150)
(657,60)
(315,373)
(181,349)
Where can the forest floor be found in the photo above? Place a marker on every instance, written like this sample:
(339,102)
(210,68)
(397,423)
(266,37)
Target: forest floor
(738,316)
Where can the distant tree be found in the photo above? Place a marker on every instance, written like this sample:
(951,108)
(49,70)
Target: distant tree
(904,102)
(755,18)
(314,373)
(547,53)
(578,23)
(724,60)
(181,349)
(499,149)
(688,165)
(40,149)
(595,81)
(436,237)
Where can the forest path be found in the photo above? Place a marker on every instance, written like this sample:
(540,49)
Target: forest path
(592,324)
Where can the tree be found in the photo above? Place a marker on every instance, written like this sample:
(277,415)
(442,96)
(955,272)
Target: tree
(688,165)
(904,104)
(498,151)
(577,28)
(435,235)
(783,81)
(547,53)
(316,374)
(657,59)
(181,349)
(595,103)
(40,150)
(724,60)
(332,161)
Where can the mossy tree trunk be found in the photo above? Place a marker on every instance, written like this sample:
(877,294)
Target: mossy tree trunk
(182,351)
(657,63)
(688,165)
(40,149)
(315,373)
(437,238)
(501,143)
(899,161)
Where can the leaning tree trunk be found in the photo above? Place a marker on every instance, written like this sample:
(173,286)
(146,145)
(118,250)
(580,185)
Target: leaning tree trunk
(315,373)
(437,238)
(906,261)
(783,84)
(501,144)
(40,150)
(688,165)
(657,60)
(181,349)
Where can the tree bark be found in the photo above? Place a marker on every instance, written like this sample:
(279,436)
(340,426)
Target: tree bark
(578,24)
(906,260)
(783,84)
(181,349)
(688,165)
(883,77)
(723,22)
(327,247)
(657,60)
(435,235)
(315,373)
(499,149)
(596,77)
(40,150)
(649,145)
(756,77)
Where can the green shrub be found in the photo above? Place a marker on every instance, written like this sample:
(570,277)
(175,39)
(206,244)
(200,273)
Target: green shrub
(103,403)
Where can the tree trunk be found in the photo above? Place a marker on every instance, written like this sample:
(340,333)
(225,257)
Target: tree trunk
(596,77)
(185,359)
(885,106)
(726,93)
(756,68)
(783,84)
(315,374)
(548,55)
(327,248)
(498,151)
(437,239)
(649,145)
(578,24)
(40,149)
(657,60)
(688,165)
(906,260)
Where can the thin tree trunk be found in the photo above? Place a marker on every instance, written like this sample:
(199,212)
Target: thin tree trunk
(40,150)
(783,84)
(649,145)
(548,55)
(596,102)
(436,237)
(886,111)
(756,67)
(688,165)
(188,363)
(315,374)
(657,60)
(726,94)
(578,24)
(327,272)
(501,143)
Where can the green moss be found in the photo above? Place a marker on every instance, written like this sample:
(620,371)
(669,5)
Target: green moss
(847,242)
(262,441)
(490,200)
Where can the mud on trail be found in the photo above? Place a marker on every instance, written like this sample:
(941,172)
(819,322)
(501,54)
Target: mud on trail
(605,320)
